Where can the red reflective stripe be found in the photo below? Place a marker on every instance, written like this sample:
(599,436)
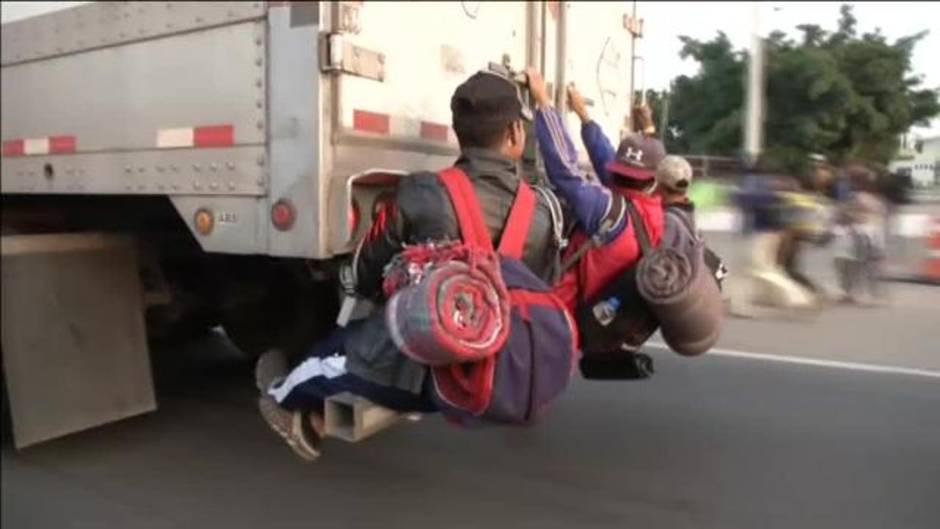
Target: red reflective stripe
(517,225)
(214,136)
(61,144)
(14,148)
(434,131)
(370,122)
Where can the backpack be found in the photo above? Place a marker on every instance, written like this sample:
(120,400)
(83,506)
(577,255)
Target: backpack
(617,321)
(533,334)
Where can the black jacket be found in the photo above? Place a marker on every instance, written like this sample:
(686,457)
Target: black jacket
(424,213)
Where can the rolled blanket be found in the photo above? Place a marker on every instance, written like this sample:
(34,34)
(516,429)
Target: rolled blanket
(681,291)
(450,306)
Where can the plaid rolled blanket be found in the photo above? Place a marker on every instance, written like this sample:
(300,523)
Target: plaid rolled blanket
(448,304)
(681,292)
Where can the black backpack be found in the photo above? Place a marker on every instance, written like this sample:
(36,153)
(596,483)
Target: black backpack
(613,331)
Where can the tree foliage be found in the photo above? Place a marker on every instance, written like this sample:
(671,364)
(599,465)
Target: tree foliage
(842,94)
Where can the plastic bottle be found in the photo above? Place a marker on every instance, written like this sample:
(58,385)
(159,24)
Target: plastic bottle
(606,311)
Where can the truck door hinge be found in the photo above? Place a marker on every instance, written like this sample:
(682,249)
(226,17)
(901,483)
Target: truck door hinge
(339,56)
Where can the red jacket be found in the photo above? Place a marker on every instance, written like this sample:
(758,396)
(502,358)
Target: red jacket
(600,265)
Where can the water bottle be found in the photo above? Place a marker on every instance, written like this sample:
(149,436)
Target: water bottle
(606,311)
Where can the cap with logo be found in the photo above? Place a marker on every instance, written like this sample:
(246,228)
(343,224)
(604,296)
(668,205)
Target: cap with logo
(489,95)
(637,158)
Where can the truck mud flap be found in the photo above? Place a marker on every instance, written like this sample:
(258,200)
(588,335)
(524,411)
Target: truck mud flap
(74,343)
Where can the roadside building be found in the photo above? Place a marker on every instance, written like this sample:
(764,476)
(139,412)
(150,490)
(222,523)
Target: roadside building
(919,159)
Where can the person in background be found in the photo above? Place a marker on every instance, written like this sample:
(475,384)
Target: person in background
(761,199)
(833,184)
(860,240)
(805,221)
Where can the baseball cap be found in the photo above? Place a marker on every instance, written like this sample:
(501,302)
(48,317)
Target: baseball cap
(637,157)
(489,95)
(674,173)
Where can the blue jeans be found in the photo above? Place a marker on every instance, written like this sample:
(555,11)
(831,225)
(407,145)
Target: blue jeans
(323,374)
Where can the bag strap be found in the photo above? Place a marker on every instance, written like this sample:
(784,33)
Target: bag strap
(467,209)
(685,221)
(639,228)
(470,218)
(512,242)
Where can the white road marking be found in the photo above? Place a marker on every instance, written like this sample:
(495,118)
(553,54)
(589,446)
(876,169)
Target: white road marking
(818,362)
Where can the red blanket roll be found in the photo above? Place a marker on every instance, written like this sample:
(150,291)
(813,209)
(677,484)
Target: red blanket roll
(447,306)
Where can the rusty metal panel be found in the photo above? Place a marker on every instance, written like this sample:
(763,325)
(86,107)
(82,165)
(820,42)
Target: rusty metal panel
(74,343)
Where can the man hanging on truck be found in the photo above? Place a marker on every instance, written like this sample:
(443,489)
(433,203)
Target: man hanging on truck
(488,116)
(619,221)
(605,244)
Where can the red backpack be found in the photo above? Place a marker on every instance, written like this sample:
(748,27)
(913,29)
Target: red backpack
(500,344)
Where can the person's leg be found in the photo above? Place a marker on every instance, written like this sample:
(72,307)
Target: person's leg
(842,276)
(318,378)
(792,266)
(300,427)
(875,285)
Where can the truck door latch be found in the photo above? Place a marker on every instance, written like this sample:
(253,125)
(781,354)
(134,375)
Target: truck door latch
(339,56)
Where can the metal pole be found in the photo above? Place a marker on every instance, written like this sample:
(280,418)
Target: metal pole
(664,118)
(561,57)
(632,70)
(534,35)
(753,117)
(543,36)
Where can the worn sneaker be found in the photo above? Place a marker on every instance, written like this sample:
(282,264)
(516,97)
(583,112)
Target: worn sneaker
(301,432)
(271,368)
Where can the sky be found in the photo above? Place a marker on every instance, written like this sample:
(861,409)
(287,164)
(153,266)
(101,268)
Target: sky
(664,22)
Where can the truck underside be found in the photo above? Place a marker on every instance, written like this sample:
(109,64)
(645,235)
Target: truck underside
(260,301)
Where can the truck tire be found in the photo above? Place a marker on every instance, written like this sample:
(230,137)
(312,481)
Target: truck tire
(291,315)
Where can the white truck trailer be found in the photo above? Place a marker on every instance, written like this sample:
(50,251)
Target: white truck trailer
(172,166)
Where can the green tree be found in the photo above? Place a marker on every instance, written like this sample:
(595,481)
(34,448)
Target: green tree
(846,95)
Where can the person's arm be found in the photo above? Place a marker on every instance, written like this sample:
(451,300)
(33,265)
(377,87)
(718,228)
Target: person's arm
(599,212)
(598,147)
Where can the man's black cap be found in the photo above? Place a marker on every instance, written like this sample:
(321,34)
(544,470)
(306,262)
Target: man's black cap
(488,95)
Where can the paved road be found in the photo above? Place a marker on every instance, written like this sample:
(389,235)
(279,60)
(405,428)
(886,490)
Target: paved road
(712,442)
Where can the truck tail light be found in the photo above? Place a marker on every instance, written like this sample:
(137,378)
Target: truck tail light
(283,215)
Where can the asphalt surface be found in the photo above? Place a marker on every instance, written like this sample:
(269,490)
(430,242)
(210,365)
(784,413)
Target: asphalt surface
(717,441)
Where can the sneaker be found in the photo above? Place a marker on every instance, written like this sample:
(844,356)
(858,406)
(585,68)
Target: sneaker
(271,368)
(302,433)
